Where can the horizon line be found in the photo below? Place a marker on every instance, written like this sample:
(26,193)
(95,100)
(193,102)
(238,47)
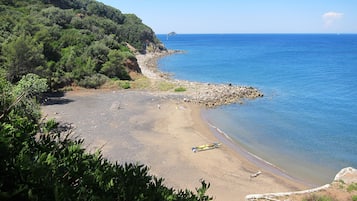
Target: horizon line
(277,33)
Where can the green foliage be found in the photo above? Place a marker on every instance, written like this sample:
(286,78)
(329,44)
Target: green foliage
(65,41)
(352,187)
(114,67)
(98,52)
(124,84)
(354,198)
(21,55)
(21,98)
(319,198)
(57,16)
(99,9)
(44,161)
(180,89)
(93,81)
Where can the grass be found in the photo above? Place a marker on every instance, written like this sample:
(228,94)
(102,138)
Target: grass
(165,86)
(354,198)
(141,83)
(318,198)
(180,89)
(352,187)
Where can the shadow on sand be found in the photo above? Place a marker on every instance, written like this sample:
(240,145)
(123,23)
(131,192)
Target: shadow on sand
(55,98)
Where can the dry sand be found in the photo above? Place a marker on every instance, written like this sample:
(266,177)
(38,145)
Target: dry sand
(139,126)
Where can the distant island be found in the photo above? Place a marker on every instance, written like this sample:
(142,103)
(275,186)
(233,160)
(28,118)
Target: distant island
(170,34)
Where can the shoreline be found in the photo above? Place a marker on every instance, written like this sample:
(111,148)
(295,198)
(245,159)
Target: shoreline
(149,64)
(209,95)
(248,161)
(159,129)
(152,60)
(256,160)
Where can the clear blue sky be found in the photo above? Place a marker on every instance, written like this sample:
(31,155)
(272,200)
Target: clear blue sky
(248,16)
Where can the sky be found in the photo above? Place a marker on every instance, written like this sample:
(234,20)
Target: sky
(243,16)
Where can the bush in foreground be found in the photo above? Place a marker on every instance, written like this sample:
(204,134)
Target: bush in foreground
(42,161)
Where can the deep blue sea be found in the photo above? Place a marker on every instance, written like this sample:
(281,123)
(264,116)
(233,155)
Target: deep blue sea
(306,123)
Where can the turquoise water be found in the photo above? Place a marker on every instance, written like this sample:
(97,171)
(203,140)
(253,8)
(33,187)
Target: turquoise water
(306,124)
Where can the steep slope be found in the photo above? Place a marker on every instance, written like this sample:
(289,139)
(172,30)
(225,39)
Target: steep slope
(70,41)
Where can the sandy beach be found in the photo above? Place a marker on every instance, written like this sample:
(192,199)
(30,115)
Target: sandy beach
(158,131)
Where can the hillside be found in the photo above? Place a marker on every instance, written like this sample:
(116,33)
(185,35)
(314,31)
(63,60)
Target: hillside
(81,42)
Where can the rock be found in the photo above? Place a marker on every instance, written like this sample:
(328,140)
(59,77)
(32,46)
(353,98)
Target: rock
(207,94)
(132,65)
(347,175)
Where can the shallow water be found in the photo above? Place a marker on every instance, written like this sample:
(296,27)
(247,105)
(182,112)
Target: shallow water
(306,122)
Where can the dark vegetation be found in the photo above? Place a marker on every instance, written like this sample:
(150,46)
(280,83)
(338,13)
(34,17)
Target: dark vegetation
(43,161)
(47,44)
(68,42)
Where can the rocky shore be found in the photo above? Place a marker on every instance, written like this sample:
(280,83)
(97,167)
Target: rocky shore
(341,188)
(207,94)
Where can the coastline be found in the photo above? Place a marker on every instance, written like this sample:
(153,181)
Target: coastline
(148,62)
(158,130)
(248,161)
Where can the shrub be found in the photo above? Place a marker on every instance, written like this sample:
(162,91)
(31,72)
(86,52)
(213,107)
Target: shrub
(352,187)
(180,89)
(318,198)
(354,198)
(124,84)
(94,81)
(43,161)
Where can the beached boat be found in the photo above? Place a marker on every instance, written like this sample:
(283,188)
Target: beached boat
(206,147)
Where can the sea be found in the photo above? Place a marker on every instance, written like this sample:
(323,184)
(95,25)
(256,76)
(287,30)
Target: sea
(306,123)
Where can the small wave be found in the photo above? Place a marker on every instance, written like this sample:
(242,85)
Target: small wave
(260,162)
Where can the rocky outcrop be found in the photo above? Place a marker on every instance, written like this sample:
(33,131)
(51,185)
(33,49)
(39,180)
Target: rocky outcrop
(213,95)
(345,177)
(207,94)
(132,65)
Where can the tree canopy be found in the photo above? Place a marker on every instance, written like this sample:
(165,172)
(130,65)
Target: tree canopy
(67,41)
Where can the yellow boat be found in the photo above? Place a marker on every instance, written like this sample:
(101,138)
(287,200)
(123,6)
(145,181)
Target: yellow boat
(206,147)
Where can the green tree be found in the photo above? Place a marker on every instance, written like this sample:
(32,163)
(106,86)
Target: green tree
(22,55)
(99,54)
(102,10)
(114,67)
(68,41)
(22,96)
(58,16)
